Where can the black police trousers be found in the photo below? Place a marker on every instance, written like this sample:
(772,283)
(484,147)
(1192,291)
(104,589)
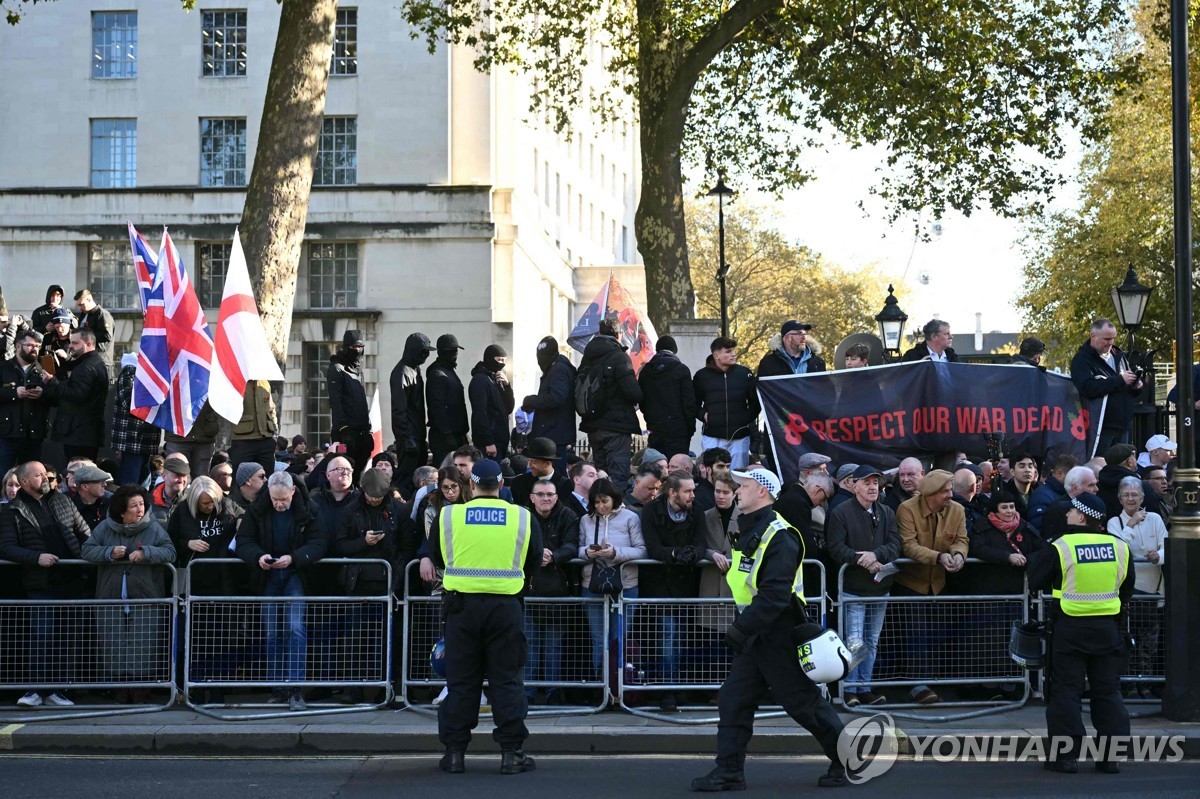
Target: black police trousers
(485,636)
(1091,648)
(770,662)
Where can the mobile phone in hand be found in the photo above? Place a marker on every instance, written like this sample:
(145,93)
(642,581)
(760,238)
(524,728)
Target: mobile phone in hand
(272,560)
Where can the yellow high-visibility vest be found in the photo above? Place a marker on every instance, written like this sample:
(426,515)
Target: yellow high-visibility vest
(484,544)
(1093,567)
(742,576)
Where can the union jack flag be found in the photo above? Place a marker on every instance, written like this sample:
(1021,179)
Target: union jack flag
(176,349)
(145,265)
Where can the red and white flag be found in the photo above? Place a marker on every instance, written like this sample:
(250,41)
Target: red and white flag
(240,351)
(376,428)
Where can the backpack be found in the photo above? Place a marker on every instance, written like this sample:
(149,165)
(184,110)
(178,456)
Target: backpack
(590,398)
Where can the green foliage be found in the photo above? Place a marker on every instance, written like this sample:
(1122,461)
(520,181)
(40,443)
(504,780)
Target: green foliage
(773,279)
(971,97)
(1125,217)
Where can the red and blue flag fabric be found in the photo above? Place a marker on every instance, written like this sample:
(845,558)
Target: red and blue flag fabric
(176,349)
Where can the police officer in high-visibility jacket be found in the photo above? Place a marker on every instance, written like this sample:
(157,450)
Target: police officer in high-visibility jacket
(766,580)
(488,549)
(1091,578)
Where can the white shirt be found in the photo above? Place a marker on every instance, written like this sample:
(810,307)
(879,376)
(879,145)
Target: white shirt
(935,356)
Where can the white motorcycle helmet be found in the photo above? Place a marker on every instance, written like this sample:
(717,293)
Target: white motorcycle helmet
(824,658)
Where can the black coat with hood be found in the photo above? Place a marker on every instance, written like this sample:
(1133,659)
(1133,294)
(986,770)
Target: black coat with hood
(492,404)
(554,404)
(398,545)
(408,394)
(666,541)
(22,418)
(445,399)
(347,395)
(621,390)
(80,399)
(560,535)
(668,398)
(728,399)
(44,313)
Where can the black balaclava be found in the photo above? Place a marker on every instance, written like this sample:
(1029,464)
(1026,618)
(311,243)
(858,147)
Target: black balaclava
(490,354)
(448,358)
(350,340)
(416,349)
(547,353)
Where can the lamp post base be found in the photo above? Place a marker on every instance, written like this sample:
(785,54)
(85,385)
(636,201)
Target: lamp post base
(1181,695)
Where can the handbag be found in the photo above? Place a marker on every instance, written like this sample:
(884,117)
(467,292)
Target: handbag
(606,578)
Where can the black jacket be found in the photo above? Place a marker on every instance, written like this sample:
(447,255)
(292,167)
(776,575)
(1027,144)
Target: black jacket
(522,487)
(922,350)
(668,398)
(896,496)
(21,539)
(998,576)
(773,609)
(729,399)
(560,535)
(492,405)
(408,396)
(397,546)
(310,540)
(347,395)
(554,404)
(1094,379)
(445,399)
(218,529)
(22,418)
(80,399)
(621,389)
(775,363)
(100,322)
(796,508)
(666,540)
(1021,360)
(849,529)
(1042,498)
(1054,520)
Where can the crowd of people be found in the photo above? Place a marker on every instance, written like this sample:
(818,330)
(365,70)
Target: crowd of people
(281,508)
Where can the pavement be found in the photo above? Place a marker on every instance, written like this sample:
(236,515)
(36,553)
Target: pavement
(631,777)
(184,731)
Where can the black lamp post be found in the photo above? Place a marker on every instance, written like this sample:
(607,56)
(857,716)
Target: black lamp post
(721,191)
(1181,694)
(891,326)
(1130,299)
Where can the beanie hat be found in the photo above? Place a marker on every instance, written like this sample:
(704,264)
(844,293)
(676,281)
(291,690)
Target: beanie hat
(667,343)
(244,472)
(494,351)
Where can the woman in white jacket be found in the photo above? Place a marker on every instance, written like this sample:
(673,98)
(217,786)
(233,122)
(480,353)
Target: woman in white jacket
(1146,534)
(609,535)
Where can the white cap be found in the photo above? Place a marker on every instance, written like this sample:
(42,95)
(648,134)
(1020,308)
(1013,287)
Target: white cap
(1160,442)
(764,478)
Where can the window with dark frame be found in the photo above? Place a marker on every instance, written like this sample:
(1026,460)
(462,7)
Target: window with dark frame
(332,275)
(110,278)
(223,44)
(345,43)
(337,153)
(114,44)
(212,264)
(318,419)
(222,152)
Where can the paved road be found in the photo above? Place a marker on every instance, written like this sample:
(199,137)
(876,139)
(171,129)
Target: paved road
(653,777)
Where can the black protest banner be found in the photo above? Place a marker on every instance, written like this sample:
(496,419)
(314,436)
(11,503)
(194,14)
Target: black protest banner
(881,415)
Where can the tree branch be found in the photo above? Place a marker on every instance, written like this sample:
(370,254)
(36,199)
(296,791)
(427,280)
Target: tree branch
(697,57)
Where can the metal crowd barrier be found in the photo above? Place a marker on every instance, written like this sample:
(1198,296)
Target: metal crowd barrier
(958,641)
(560,658)
(340,642)
(1146,626)
(678,646)
(92,645)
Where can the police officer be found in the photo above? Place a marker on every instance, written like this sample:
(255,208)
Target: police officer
(766,579)
(1091,578)
(488,548)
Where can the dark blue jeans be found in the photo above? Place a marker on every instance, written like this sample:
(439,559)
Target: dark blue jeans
(287,637)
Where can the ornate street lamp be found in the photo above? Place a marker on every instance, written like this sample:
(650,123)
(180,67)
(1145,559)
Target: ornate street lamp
(721,191)
(891,325)
(1130,299)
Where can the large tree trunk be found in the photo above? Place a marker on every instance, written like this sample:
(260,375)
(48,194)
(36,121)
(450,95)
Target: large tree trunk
(659,221)
(272,226)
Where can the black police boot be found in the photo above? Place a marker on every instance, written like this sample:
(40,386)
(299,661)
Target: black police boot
(1107,767)
(453,762)
(834,778)
(722,778)
(1067,765)
(515,761)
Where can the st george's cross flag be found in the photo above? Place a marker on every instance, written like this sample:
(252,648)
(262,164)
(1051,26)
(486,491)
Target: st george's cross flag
(240,352)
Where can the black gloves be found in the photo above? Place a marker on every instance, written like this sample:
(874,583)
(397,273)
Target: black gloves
(685,555)
(735,639)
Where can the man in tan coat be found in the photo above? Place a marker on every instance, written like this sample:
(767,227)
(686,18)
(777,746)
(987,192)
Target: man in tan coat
(933,532)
